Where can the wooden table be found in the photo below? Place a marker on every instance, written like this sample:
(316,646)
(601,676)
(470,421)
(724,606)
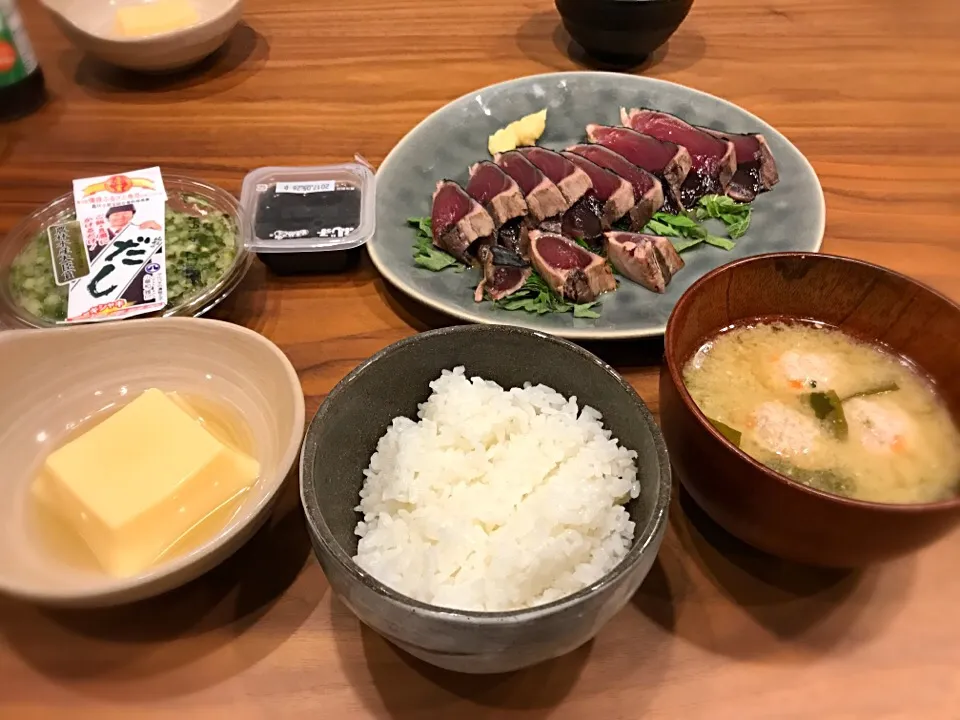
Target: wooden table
(867,89)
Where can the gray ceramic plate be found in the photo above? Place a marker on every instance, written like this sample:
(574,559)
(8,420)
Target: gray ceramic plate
(444,145)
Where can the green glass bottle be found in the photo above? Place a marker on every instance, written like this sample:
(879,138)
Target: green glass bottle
(21,80)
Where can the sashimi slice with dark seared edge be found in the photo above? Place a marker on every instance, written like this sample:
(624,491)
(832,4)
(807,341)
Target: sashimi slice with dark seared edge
(615,193)
(571,271)
(512,235)
(714,160)
(584,220)
(649,260)
(666,161)
(497,192)
(504,272)
(668,252)
(647,191)
(543,198)
(756,168)
(500,196)
(572,181)
(551,225)
(458,221)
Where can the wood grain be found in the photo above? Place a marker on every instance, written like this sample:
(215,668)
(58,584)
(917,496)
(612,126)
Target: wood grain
(866,89)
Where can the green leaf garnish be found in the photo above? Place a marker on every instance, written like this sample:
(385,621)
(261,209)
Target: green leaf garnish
(878,390)
(678,221)
(424,225)
(828,407)
(686,229)
(681,244)
(655,227)
(720,242)
(584,310)
(736,216)
(736,226)
(426,254)
(537,297)
(830,481)
(429,256)
(715,205)
(728,432)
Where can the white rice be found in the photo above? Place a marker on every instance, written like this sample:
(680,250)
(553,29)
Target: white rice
(496,499)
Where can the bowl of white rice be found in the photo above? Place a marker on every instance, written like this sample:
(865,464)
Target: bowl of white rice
(485,497)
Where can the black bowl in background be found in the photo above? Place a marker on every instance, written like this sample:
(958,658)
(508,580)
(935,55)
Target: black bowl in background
(622,32)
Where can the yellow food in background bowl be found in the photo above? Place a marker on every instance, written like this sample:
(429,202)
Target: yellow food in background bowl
(147,35)
(162,16)
(523,132)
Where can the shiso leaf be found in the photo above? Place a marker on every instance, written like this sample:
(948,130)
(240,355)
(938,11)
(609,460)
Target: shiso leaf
(680,244)
(684,231)
(426,254)
(720,242)
(735,215)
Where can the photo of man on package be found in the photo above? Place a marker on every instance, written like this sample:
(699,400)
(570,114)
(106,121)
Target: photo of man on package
(121,216)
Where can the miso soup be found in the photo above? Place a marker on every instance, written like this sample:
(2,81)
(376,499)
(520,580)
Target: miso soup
(828,411)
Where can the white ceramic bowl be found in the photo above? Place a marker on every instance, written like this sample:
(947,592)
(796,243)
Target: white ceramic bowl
(90,25)
(51,380)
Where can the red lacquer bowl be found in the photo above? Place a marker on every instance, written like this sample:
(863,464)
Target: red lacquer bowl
(756,504)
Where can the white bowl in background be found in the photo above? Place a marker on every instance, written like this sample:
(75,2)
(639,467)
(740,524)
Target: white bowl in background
(53,379)
(90,25)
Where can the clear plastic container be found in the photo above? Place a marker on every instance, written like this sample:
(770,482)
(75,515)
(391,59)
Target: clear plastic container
(30,298)
(310,219)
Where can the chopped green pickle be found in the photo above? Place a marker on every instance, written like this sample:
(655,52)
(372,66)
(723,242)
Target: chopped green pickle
(200,249)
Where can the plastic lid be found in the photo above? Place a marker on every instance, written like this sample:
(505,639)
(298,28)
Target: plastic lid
(310,209)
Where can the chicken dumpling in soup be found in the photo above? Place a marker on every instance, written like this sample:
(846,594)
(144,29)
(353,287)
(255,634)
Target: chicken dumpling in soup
(783,430)
(878,426)
(803,371)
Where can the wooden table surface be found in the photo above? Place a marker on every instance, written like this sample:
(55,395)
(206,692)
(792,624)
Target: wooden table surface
(867,89)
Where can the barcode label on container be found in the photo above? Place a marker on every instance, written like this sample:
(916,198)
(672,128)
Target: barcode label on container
(306,188)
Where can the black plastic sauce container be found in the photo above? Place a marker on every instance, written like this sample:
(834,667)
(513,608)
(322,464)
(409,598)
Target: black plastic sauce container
(21,81)
(310,219)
